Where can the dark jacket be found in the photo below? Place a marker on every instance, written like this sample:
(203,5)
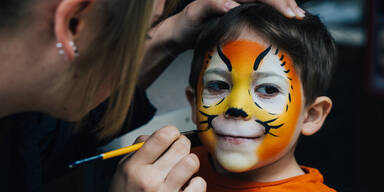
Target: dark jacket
(36,148)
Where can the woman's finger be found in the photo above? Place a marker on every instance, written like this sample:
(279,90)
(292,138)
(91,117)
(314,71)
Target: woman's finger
(156,145)
(299,13)
(197,184)
(175,153)
(199,10)
(141,138)
(182,172)
(288,8)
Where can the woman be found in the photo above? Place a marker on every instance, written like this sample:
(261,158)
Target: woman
(64,57)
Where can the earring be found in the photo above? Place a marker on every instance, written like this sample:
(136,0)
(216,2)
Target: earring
(73,46)
(60,47)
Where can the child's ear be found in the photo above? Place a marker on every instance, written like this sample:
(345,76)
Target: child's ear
(190,93)
(315,115)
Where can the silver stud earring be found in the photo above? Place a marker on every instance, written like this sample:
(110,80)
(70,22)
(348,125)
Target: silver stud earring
(60,47)
(74,48)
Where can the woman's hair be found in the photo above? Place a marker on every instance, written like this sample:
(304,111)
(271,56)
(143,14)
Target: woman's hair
(113,55)
(117,52)
(307,41)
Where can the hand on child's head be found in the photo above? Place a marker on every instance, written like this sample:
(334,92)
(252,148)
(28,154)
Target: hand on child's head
(187,24)
(289,8)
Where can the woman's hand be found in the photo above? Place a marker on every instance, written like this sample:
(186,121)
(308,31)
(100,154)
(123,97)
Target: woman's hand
(179,32)
(288,8)
(164,163)
(185,25)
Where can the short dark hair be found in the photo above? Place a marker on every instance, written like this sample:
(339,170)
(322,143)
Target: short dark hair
(307,41)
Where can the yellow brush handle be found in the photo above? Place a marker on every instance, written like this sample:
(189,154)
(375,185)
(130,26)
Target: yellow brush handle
(122,151)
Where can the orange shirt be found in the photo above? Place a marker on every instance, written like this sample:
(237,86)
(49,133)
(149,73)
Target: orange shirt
(311,181)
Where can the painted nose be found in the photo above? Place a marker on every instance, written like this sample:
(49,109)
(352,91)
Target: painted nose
(235,112)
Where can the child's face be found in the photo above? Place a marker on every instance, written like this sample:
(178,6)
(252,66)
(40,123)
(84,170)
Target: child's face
(249,95)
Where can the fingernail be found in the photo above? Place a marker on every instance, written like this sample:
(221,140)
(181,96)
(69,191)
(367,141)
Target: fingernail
(300,12)
(290,12)
(230,5)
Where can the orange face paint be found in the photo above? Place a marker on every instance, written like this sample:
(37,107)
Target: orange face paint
(249,96)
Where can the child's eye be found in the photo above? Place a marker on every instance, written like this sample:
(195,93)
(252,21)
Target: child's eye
(267,91)
(217,87)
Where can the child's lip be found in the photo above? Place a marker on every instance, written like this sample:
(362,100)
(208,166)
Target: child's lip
(237,140)
(239,137)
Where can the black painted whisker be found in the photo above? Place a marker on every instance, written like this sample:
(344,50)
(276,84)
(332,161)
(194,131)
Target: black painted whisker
(272,134)
(268,127)
(270,121)
(209,120)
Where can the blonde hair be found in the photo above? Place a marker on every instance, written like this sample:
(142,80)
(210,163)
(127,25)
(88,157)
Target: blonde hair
(114,56)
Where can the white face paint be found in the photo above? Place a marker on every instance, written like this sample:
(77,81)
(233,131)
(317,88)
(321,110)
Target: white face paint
(243,97)
(270,78)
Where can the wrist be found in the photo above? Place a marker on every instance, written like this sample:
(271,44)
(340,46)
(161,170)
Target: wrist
(163,38)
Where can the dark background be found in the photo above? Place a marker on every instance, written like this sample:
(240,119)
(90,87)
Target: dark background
(348,149)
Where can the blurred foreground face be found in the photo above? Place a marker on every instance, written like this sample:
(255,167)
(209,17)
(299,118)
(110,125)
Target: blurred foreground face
(249,96)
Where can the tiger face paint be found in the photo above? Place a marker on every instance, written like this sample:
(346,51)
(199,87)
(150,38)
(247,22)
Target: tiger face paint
(249,97)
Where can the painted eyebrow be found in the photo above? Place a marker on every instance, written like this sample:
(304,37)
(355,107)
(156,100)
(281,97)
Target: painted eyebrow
(261,57)
(224,58)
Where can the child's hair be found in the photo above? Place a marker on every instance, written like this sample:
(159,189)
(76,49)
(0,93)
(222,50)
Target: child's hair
(307,41)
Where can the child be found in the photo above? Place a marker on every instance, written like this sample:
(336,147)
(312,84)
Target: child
(256,84)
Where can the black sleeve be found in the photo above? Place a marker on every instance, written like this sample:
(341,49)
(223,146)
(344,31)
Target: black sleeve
(141,111)
(63,146)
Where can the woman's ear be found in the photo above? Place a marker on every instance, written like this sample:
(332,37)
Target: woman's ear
(315,115)
(190,93)
(68,23)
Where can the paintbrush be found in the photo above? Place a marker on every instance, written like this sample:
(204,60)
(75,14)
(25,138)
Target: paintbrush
(192,135)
